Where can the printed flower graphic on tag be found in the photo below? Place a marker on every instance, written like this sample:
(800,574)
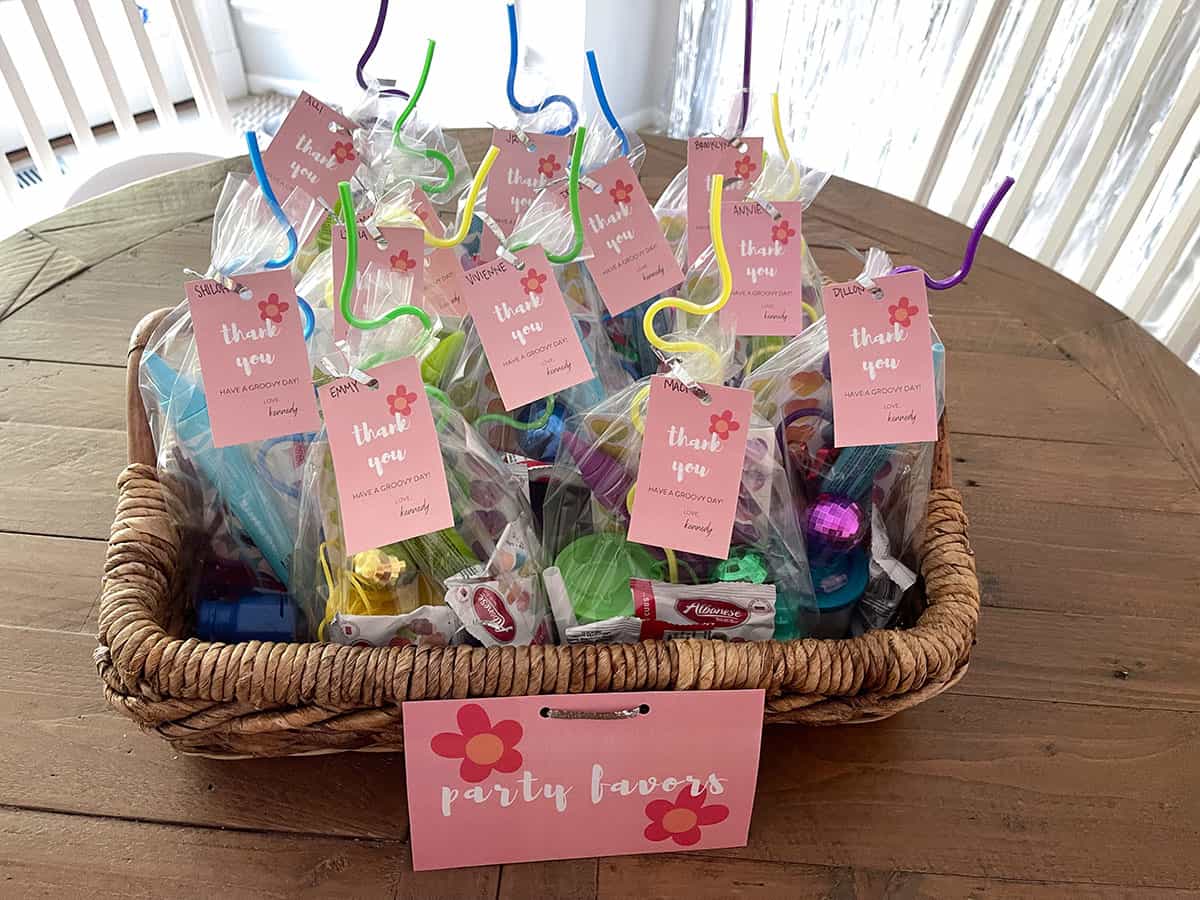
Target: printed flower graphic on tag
(400,403)
(548,165)
(402,262)
(272,308)
(744,167)
(482,746)
(343,151)
(781,231)
(902,313)
(533,281)
(621,192)
(723,425)
(682,820)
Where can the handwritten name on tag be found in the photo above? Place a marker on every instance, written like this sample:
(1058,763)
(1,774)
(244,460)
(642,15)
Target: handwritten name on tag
(766,259)
(257,379)
(517,176)
(881,362)
(632,260)
(708,156)
(391,480)
(503,780)
(526,329)
(690,470)
(307,154)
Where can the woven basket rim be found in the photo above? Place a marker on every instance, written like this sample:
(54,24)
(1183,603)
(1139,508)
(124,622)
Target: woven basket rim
(259,698)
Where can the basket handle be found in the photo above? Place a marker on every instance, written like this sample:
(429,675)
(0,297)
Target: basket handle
(138,440)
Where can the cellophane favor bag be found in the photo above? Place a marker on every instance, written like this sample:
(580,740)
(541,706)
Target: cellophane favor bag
(478,581)
(237,506)
(586,519)
(862,508)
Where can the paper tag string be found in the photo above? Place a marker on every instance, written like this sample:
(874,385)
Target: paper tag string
(602,99)
(972,243)
(372,44)
(512,80)
(268,193)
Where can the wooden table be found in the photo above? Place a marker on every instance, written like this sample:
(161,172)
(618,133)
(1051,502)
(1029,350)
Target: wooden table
(1067,762)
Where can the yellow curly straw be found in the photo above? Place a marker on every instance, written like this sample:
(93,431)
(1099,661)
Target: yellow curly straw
(468,211)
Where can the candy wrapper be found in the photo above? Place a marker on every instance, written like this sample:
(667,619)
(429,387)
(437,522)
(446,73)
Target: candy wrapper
(863,508)
(586,513)
(428,626)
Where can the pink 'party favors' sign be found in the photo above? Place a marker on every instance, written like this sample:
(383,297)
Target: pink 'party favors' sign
(691,467)
(881,362)
(766,258)
(313,150)
(509,779)
(632,259)
(390,477)
(257,379)
(526,329)
(740,162)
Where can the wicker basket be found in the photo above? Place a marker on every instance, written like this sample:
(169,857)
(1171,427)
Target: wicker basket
(266,699)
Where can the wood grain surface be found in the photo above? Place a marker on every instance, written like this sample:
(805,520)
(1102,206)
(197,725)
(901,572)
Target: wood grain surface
(1066,764)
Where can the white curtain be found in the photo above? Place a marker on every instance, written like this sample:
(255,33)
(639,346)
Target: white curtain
(865,87)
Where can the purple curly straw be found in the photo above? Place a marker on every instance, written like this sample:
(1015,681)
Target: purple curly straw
(972,243)
(372,44)
(746,67)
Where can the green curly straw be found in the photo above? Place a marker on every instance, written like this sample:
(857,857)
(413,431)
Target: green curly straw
(573,193)
(350,276)
(428,153)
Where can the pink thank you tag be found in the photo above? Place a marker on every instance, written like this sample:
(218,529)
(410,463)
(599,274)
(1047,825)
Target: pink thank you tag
(632,260)
(257,379)
(516,177)
(707,156)
(691,467)
(767,262)
(443,268)
(527,333)
(305,153)
(502,780)
(881,362)
(404,255)
(390,478)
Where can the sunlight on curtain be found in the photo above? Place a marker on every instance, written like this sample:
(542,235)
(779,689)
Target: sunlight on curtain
(865,88)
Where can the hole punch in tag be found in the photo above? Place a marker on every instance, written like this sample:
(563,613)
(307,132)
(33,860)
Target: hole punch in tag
(739,162)
(391,479)
(312,151)
(253,359)
(525,327)
(881,361)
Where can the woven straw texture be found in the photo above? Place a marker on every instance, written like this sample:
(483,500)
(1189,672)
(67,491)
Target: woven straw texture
(271,699)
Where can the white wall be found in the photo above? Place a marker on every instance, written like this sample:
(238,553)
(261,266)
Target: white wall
(310,50)
(634,42)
